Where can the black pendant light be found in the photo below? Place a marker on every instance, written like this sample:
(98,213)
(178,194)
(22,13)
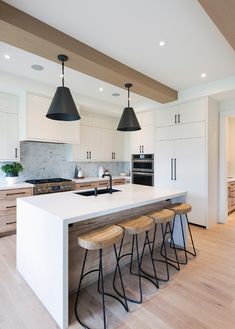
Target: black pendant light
(62,106)
(128,121)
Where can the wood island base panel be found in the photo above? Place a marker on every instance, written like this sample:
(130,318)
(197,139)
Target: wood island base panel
(48,257)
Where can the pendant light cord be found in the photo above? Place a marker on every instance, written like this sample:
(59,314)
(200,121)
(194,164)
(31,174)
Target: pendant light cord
(128,96)
(63,73)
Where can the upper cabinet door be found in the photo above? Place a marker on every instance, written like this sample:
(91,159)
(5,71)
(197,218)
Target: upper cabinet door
(135,141)
(8,127)
(148,139)
(192,111)
(43,129)
(8,136)
(166,116)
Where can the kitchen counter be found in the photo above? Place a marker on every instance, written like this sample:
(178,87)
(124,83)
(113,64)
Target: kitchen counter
(4,186)
(44,246)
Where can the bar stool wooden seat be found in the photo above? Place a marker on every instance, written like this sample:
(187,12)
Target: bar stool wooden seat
(182,209)
(164,218)
(98,240)
(134,227)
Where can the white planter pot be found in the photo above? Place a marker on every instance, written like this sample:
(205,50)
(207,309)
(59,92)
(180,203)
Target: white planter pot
(11,180)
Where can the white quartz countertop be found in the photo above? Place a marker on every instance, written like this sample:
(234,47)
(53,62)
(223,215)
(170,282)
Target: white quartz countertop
(70,207)
(4,186)
(97,179)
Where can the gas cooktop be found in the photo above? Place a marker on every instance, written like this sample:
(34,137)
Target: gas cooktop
(51,185)
(46,181)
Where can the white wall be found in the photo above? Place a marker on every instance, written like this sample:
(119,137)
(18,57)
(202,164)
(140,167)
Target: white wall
(231,147)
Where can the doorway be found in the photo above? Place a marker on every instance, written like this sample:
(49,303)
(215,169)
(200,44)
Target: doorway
(227,165)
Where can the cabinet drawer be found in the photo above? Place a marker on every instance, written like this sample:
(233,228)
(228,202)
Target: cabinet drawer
(118,181)
(13,194)
(7,220)
(100,184)
(84,186)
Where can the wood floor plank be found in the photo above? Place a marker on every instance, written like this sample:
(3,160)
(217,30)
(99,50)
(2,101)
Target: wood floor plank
(200,296)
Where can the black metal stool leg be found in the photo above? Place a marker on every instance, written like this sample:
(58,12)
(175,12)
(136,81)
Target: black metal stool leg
(78,291)
(138,268)
(174,247)
(120,275)
(101,275)
(163,246)
(184,243)
(191,237)
(138,273)
(152,260)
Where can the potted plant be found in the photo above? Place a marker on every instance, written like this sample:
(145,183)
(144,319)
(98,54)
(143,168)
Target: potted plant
(12,170)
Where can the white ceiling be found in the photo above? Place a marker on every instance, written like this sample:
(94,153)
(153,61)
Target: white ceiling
(130,31)
(83,85)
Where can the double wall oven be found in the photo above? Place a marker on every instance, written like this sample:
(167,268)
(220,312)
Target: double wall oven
(142,166)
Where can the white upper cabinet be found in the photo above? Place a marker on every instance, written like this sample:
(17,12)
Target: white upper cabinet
(166,116)
(186,120)
(9,150)
(184,113)
(192,111)
(100,141)
(40,128)
(142,141)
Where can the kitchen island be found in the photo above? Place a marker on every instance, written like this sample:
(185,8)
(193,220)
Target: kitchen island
(47,227)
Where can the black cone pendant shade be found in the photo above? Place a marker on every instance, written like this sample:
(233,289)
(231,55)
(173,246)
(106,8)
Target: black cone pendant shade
(128,121)
(62,106)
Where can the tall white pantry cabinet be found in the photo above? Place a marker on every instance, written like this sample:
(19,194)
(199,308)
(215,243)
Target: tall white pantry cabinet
(186,155)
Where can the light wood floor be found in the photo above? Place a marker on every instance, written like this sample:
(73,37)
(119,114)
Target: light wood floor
(200,296)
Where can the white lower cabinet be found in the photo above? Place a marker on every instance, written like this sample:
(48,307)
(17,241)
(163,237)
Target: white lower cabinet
(181,164)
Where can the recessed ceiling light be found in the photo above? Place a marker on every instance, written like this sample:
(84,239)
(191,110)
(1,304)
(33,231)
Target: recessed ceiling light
(101,89)
(203,75)
(37,67)
(7,56)
(162,43)
(115,94)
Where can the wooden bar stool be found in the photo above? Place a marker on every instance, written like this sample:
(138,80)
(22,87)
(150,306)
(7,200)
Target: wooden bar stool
(182,209)
(164,218)
(98,240)
(134,227)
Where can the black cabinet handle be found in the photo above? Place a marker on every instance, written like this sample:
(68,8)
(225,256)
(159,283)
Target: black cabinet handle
(87,155)
(171,169)
(114,155)
(90,155)
(175,118)
(178,118)
(16,152)
(17,193)
(140,148)
(9,207)
(175,168)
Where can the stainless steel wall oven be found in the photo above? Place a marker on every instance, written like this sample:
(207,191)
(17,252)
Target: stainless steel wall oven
(142,166)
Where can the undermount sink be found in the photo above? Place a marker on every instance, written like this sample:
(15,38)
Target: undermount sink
(101,191)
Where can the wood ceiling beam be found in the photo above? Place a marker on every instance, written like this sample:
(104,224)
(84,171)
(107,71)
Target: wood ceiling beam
(222,13)
(25,32)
